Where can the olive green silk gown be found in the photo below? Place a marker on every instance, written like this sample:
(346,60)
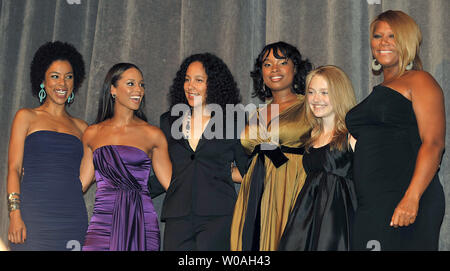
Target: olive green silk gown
(281,185)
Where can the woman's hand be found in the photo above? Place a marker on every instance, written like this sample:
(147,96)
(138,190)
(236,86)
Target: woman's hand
(17,232)
(406,212)
(235,174)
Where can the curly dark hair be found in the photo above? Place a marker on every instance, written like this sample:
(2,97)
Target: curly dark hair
(281,50)
(49,53)
(221,87)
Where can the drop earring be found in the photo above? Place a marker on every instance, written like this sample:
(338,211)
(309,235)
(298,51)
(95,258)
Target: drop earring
(42,94)
(71,98)
(375,65)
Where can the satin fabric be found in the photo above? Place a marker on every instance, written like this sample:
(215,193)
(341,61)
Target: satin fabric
(323,213)
(52,204)
(124,217)
(252,225)
(281,184)
(387,146)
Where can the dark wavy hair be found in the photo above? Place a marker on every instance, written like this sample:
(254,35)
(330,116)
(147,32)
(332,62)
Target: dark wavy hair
(221,87)
(49,53)
(106,103)
(281,50)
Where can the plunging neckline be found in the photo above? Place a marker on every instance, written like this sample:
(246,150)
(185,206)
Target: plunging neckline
(199,139)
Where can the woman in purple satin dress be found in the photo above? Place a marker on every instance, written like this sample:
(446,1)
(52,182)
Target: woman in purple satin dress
(120,149)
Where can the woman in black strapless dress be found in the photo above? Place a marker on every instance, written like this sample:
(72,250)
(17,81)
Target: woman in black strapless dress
(400,133)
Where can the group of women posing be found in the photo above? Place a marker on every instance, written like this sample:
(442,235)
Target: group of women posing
(317,171)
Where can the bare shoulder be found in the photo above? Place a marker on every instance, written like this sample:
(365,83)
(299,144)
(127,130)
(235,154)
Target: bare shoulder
(81,124)
(26,114)
(153,132)
(90,132)
(153,135)
(422,82)
(24,117)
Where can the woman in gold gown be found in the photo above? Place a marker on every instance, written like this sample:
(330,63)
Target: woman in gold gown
(274,138)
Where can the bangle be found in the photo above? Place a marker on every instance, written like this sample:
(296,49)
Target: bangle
(11,195)
(13,207)
(13,202)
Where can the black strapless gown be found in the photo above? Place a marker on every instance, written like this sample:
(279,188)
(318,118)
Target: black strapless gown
(52,204)
(388,141)
(323,212)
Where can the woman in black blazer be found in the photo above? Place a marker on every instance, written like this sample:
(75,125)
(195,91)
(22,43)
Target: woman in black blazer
(199,203)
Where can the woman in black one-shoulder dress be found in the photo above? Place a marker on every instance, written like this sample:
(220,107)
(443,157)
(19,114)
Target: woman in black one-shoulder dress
(400,133)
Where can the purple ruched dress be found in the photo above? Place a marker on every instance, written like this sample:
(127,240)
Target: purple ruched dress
(124,217)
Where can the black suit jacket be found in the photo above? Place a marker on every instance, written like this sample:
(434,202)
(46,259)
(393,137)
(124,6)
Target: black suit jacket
(201,179)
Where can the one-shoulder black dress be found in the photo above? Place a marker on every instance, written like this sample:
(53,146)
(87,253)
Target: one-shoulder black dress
(388,142)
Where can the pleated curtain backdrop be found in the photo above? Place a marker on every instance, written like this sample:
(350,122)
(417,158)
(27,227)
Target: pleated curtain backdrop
(157,35)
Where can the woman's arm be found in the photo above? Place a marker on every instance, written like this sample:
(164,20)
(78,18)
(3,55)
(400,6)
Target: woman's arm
(351,141)
(239,167)
(87,163)
(428,104)
(235,174)
(19,129)
(160,157)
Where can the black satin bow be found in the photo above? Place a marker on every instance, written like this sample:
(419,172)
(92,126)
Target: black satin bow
(252,224)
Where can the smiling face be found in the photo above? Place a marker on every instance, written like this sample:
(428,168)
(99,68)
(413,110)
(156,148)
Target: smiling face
(129,89)
(383,45)
(195,84)
(318,98)
(278,73)
(59,81)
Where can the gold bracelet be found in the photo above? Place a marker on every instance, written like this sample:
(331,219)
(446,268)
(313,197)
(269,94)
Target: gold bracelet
(11,195)
(13,206)
(13,201)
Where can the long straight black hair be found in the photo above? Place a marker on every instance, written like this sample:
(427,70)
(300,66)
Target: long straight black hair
(106,103)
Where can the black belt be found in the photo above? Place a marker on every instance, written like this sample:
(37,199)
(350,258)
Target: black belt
(252,224)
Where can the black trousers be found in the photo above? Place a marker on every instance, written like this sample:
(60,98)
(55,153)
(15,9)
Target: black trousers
(197,233)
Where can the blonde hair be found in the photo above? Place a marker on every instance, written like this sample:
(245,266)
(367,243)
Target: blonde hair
(342,99)
(407,37)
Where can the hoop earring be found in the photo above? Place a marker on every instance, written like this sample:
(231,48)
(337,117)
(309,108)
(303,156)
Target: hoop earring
(375,65)
(410,66)
(71,98)
(42,94)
